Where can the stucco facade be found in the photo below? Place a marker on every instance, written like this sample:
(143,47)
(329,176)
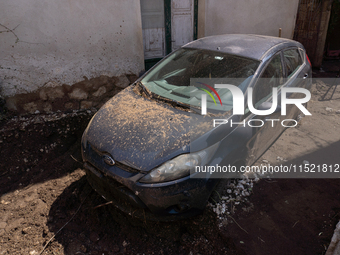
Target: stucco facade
(49,43)
(89,45)
(263,17)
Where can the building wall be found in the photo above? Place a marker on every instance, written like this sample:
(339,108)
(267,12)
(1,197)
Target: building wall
(49,43)
(312,26)
(263,17)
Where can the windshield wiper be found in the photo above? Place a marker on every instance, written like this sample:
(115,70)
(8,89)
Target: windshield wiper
(173,102)
(164,99)
(145,90)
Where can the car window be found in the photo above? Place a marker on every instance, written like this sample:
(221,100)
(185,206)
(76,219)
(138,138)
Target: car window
(183,76)
(271,77)
(292,61)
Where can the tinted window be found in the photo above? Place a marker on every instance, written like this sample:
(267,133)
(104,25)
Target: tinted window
(271,77)
(171,77)
(292,60)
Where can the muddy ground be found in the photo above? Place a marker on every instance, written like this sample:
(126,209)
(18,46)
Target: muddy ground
(44,192)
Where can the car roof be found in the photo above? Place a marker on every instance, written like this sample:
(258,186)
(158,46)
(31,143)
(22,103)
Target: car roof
(251,46)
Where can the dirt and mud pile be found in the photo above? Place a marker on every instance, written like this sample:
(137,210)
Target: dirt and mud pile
(44,192)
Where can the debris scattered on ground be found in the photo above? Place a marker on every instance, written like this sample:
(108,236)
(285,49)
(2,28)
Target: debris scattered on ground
(334,246)
(235,197)
(41,190)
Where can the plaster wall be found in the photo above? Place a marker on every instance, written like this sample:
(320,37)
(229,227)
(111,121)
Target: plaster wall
(49,43)
(263,17)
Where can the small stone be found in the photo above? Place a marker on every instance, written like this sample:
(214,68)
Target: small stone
(69,105)
(328,109)
(78,94)
(243,182)
(240,186)
(265,161)
(86,104)
(122,82)
(25,230)
(245,193)
(54,93)
(30,107)
(101,91)
(47,107)
(34,252)
(43,95)
(3,225)
(279,158)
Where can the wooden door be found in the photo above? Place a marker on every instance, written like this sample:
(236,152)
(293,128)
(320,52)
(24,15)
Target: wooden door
(153,26)
(182,22)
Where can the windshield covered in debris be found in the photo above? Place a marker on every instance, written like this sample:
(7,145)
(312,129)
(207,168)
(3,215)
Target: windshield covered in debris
(180,76)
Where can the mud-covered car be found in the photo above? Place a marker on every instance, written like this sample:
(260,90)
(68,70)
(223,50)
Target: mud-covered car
(149,147)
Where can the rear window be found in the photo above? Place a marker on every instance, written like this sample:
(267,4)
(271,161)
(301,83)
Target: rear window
(292,61)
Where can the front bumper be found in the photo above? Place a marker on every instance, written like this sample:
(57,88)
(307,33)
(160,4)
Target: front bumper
(120,184)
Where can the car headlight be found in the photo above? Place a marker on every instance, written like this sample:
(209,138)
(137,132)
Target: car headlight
(180,166)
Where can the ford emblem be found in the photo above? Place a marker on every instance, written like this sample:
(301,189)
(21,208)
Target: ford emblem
(108,160)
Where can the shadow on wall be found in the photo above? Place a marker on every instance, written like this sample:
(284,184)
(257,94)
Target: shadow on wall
(82,95)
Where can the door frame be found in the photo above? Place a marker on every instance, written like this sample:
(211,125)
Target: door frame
(167,20)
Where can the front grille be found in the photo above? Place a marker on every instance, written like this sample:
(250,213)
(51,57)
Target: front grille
(117,163)
(126,168)
(111,189)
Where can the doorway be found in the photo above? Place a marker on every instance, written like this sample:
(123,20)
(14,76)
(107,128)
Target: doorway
(167,25)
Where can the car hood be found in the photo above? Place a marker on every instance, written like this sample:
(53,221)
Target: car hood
(144,133)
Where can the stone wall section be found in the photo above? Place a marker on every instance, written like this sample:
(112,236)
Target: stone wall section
(86,94)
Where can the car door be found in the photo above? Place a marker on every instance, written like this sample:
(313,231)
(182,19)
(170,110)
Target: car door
(296,73)
(265,129)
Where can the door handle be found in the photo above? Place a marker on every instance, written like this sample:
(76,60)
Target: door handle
(305,76)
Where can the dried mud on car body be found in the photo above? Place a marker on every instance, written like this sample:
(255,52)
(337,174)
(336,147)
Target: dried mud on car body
(141,131)
(289,216)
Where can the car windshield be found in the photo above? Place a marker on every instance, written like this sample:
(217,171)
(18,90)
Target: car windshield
(181,77)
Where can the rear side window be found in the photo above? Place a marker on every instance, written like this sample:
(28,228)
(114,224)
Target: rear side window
(292,61)
(271,77)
